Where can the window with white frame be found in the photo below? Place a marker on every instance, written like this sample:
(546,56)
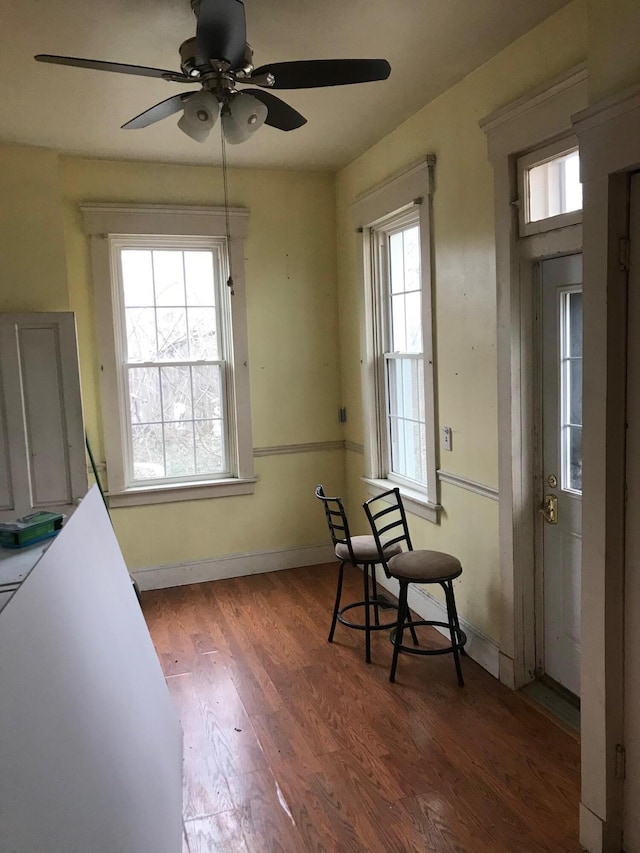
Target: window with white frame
(397,247)
(549,188)
(398,390)
(173,353)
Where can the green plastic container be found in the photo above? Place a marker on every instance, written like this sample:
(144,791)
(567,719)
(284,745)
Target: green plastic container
(30,529)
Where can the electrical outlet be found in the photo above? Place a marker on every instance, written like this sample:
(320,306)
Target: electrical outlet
(447,438)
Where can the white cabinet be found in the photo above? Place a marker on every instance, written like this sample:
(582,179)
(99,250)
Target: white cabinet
(42,453)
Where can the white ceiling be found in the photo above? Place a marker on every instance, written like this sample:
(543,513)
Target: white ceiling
(430,44)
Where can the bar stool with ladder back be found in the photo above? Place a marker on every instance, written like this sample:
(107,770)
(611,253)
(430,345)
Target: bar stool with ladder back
(387,519)
(356,551)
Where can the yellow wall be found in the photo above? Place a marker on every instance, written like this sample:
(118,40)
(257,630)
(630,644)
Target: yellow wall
(292,320)
(465,291)
(33,273)
(614,55)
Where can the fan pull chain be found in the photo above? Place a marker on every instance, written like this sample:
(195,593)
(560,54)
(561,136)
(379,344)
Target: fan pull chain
(226,208)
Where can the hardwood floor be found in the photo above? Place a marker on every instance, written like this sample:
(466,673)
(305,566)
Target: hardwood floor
(294,744)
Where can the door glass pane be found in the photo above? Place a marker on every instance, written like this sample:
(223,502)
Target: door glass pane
(571,388)
(575,324)
(575,458)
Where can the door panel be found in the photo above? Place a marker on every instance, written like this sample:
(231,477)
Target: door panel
(561,283)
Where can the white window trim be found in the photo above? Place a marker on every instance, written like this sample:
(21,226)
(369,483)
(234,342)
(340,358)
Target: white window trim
(100,222)
(536,158)
(409,190)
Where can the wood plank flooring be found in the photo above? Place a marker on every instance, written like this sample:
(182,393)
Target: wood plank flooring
(293,744)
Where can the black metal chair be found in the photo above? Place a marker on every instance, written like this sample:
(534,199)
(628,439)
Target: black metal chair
(356,551)
(387,518)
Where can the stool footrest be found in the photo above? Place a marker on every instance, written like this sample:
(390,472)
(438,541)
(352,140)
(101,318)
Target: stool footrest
(447,650)
(372,601)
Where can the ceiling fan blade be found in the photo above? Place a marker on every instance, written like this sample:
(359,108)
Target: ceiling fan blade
(312,73)
(156,113)
(280,114)
(118,67)
(222,31)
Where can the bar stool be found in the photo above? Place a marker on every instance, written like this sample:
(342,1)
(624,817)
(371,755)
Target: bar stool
(355,551)
(387,518)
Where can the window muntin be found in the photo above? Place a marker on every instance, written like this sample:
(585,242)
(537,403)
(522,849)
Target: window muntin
(171,311)
(404,457)
(571,389)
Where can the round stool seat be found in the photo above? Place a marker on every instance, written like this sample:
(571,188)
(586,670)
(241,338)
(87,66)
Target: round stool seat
(365,549)
(424,566)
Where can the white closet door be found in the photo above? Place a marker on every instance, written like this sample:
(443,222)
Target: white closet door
(42,453)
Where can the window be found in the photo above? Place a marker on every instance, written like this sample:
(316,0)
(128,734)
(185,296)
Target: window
(549,188)
(172,343)
(397,349)
(401,302)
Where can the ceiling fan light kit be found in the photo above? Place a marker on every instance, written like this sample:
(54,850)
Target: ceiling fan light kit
(199,115)
(242,117)
(220,59)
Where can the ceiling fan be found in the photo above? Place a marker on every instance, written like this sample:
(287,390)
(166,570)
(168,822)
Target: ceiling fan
(219,59)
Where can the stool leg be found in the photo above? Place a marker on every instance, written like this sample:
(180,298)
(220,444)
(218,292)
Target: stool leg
(337,604)
(374,589)
(451,615)
(367,614)
(456,621)
(402,615)
(414,636)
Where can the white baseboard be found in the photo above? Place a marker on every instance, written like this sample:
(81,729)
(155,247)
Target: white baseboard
(591,831)
(479,647)
(231,566)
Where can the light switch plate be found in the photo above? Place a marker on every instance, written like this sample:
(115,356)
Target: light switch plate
(447,438)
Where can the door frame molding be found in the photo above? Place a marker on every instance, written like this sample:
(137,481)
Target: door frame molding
(609,138)
(537,118)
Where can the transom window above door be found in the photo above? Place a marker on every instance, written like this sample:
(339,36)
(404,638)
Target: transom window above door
(549,188)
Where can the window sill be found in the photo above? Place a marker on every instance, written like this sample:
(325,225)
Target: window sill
(141,495)
(414,502)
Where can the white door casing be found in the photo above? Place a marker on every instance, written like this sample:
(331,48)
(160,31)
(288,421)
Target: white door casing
(561,328)
(632,542)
